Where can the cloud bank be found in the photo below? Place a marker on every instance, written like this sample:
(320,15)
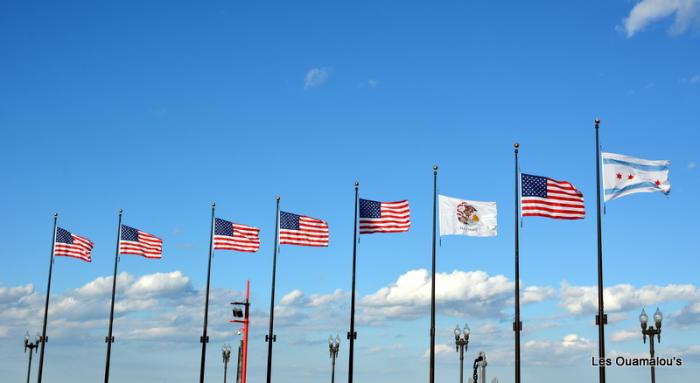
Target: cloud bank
(166,307)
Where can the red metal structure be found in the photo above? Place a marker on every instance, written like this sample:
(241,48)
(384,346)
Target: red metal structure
(245,322)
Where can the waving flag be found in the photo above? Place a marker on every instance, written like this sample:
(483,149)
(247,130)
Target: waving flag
(470,218)
(546,197)
(234,236)
(71,245)
(134,241)
(624,175)
(384,217)
(302,230)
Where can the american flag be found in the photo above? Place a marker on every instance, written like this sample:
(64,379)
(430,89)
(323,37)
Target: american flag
(71,245)
(302,230)
(384,217)
(546,197)
(233,236)
(134,241)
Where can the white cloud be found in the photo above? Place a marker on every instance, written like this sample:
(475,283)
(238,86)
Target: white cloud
(536,294)
(160,306)
(384,349)
(322,300)
(291,298)
(11,294)
(689,353)
(626,335)
(615,317)
(316,77)
(648,11)
(459,293)
(440,349)
(297,298)
(103,285)
(159,284)
(583,300)
(546,352)
(166,309)
(690,314)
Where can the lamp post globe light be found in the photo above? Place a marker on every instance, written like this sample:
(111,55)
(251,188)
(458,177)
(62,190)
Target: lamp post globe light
(32,346)
(226,355)
(651,331)
(461,343)
(333,348)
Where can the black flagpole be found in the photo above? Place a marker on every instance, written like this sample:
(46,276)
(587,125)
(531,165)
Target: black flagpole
(270,337)
(352,335)
(517,325)
(432,292)
(109,339)
(205,339)
(601,311)
(43,338)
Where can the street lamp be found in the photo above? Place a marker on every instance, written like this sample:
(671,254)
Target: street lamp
(651,332)
(32,347)
(461,343)
(226,354)
(333,347)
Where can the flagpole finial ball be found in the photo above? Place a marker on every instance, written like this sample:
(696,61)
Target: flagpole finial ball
(597,121)
(278,198)
(213,205)
(435,167)
(121,211)
(357,183)
(516,145)
(55,215)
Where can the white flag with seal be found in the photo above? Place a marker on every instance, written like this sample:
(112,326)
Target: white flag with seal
(623,175)
(465,217)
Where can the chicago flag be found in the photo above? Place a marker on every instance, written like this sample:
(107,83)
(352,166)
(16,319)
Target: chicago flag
(624,175)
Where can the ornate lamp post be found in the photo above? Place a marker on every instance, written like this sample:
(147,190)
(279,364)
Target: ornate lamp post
(651,332)
(31,347)
(461,343)
(226,354)
(333,347)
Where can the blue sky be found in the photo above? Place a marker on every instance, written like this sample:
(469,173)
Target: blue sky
(160,108)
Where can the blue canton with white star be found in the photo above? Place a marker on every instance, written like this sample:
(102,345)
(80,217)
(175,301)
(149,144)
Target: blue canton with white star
(534,186)
(370,209)
(289,221)
(223,227)
(129,234)
(63,236)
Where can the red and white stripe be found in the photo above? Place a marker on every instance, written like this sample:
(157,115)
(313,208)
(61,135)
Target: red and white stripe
(312,232)
(563,201)
(80,248)
(148,246)
(396,218)
(245,238)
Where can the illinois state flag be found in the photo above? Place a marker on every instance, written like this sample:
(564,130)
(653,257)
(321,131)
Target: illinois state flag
(464,217)
(624,175)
